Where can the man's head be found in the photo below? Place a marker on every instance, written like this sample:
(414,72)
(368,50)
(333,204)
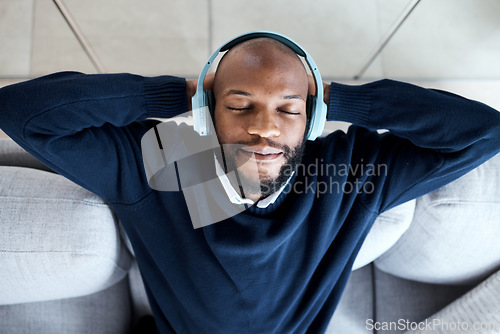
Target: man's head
(261,89)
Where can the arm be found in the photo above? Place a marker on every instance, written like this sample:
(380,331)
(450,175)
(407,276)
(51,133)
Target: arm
(88,127)
(434,137)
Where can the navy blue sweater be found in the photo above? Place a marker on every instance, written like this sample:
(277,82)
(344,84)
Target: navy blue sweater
(276,270)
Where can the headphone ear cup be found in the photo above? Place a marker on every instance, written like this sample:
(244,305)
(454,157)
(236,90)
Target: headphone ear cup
(310,106)
(210,98)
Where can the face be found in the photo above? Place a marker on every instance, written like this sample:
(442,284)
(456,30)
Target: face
(260,117)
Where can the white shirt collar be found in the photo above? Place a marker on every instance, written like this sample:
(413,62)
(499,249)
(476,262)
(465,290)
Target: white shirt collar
(235,198)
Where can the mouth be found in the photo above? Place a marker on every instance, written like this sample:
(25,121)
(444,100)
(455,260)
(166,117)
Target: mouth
(261,153)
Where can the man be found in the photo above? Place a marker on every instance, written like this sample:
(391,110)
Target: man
(281,264)
(271,127)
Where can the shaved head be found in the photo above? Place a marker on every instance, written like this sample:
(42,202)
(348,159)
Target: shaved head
(262,51)
(261,44)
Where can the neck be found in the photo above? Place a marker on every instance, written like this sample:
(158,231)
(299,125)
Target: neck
(253,196)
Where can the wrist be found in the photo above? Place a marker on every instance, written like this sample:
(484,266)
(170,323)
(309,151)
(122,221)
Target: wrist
(326,93)
(190,91)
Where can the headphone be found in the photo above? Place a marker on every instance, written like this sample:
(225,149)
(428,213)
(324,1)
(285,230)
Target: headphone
(161,163)
(202,101)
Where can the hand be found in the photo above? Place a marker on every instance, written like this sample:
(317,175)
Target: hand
(191,87)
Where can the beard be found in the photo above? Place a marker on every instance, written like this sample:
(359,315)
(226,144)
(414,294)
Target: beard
(265,185)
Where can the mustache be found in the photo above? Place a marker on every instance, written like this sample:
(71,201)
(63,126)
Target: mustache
(265,141)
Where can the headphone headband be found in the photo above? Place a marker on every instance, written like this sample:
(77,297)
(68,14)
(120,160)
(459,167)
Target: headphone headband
(201,114)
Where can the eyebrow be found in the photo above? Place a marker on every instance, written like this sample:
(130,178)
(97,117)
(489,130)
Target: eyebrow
(243,93)
(237,92)
(292,97)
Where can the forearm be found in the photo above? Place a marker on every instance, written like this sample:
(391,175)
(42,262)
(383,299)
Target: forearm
(88,127)
(65,103)
(429,119)
(434,137)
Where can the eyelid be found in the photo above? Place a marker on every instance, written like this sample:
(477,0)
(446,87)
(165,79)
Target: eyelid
(289,112)
(278,110)
(238,109)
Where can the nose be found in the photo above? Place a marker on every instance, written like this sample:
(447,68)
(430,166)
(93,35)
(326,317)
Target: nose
(264,123)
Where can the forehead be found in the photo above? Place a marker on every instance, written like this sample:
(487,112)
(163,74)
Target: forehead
(260,67)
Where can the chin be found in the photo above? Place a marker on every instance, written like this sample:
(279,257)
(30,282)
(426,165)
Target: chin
(259,172)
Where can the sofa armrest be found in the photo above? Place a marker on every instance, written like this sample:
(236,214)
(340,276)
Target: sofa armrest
(387,229)
(453,238)
(12,154)
(57,239)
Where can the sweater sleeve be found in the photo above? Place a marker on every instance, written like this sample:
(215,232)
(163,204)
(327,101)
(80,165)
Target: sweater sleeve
(433,136)
(88,127)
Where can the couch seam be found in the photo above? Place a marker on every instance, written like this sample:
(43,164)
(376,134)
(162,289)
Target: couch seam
(86,202)
(51,251)
(418,215)
(459,201)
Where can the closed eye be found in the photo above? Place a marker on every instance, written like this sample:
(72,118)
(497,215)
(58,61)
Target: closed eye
(238,109)
(250,108)
(288,112)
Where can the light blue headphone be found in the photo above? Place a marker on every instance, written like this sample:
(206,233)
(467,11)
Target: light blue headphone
(316,107)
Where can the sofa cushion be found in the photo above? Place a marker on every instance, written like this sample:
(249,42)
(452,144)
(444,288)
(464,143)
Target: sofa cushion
(11,154)
(57,239)
(385,232)
(453,238)
(105,312)
(478,311)
(401,303)
(356,304)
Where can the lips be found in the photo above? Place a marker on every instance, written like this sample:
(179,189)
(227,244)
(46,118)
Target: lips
(261,153)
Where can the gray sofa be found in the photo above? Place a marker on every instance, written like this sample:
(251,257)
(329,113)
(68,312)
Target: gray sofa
(429,265)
